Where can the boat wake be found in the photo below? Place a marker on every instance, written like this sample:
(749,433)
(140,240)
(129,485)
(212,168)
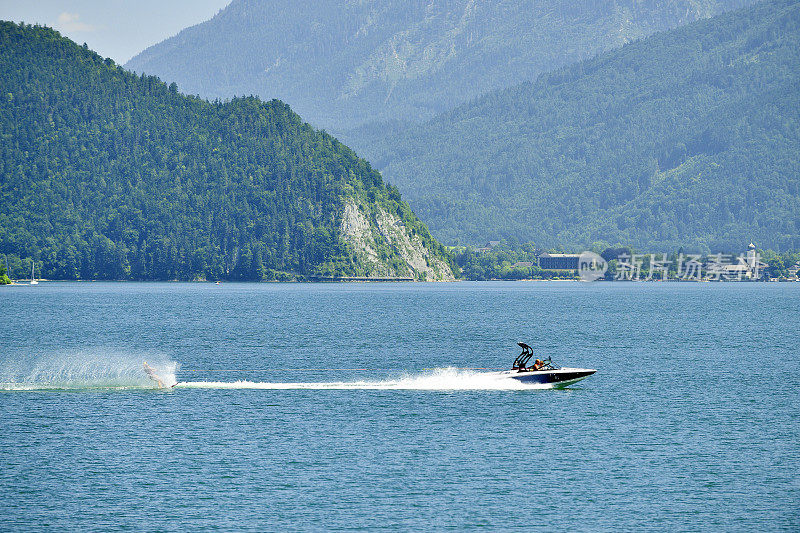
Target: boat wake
(89,369)
(444,379)
(115,370)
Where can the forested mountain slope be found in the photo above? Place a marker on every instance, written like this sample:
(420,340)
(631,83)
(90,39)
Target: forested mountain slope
(109,175)
(341,63)
(687,138)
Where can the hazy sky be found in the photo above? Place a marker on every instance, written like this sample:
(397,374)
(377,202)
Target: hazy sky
(118,29)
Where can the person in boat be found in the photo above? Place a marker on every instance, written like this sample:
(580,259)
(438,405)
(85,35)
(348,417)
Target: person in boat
(151,373)
(537,365)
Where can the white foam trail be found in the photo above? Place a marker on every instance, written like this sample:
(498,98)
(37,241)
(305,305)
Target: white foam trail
(438,379)
(86,369)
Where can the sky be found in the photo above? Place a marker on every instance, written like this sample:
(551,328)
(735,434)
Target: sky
(118,29)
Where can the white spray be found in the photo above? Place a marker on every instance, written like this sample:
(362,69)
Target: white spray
(85,369)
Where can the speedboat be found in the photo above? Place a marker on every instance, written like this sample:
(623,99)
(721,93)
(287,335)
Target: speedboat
(543,371)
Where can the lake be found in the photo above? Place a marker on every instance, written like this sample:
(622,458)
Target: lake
(361,407)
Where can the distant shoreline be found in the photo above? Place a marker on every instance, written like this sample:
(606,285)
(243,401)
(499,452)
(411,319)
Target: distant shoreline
(397,280)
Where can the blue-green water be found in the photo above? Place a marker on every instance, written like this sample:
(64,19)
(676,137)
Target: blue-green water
(692,421)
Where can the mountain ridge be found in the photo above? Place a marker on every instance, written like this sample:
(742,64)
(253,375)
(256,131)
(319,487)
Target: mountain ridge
(109,175)
(626,148)
(342,64)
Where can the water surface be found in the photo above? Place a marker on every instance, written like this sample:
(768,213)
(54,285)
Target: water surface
(355,411)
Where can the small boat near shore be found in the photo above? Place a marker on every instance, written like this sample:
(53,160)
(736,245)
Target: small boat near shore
(543,371)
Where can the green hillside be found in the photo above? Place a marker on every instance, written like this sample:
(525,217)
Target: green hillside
(113,176)
(341,64)
(686,138)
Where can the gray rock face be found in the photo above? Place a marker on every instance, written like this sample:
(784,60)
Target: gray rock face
(386,246)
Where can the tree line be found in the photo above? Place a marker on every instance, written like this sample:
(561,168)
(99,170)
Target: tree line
(520,261)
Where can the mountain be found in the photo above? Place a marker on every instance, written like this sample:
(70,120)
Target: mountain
(686,138)
(344,63)
(110,175)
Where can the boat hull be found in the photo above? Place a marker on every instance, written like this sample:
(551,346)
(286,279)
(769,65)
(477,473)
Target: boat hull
(556,378)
